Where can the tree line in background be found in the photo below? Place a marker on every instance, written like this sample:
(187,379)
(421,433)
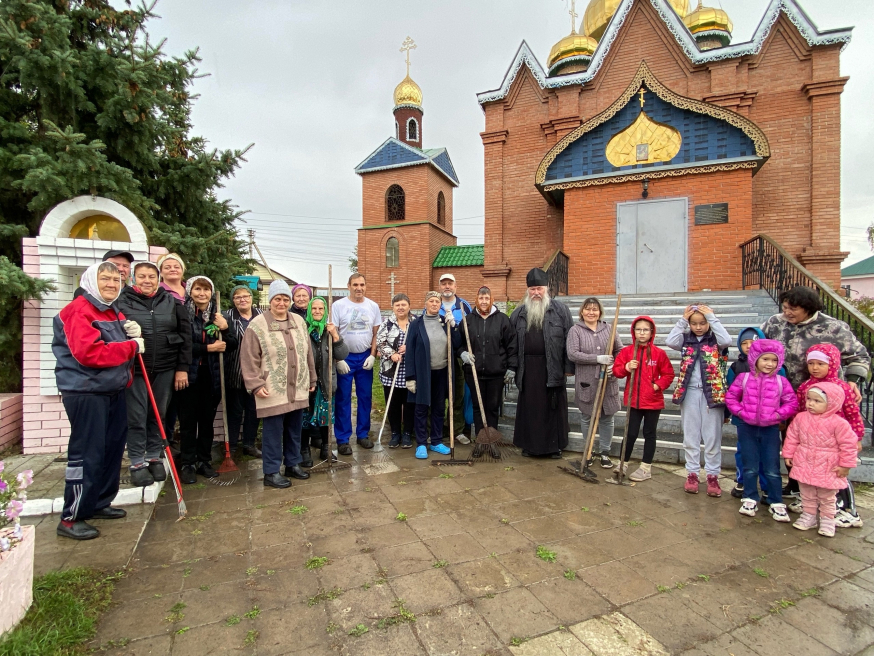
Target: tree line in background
(89,105)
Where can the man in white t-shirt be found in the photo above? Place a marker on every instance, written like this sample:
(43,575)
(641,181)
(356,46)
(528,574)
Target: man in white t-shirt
(357,318)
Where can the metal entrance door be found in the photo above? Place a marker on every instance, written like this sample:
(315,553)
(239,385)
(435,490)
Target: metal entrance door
(651,246)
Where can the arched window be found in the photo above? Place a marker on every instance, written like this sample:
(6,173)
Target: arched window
(395,204)
(441,209)
(412,130)
(392,253)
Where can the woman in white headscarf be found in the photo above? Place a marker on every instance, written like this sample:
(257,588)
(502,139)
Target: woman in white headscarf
(94,347)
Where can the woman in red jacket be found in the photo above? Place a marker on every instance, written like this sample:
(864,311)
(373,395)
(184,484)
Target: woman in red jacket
(644,395)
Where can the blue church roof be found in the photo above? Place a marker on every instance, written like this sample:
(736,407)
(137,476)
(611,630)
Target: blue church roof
(393,154)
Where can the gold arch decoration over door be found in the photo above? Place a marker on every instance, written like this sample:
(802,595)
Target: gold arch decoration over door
(645,141)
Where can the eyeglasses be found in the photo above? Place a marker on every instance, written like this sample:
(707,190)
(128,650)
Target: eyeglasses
(643,330)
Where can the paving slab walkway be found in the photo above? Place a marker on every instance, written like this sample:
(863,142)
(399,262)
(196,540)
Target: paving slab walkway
(431,561)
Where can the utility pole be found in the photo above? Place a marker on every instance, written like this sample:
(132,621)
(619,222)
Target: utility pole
(251,242)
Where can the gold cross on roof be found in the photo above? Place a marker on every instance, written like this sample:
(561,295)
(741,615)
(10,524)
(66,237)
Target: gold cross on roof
(574,16)
(406,46)
(641,92)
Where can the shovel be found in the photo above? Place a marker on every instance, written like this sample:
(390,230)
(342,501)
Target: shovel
(619,474)
(488,438)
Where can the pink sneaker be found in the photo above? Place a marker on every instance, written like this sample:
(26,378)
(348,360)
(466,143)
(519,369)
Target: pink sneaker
(805,522)
(691,485)
(827,526)
(713,489)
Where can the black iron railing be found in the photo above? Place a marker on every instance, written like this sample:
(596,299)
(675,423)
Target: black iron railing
(768,266)
(556,269)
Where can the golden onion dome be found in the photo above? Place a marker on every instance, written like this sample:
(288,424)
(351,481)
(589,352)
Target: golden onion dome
(705,19)
(408,93)
(573,45)
(599,13)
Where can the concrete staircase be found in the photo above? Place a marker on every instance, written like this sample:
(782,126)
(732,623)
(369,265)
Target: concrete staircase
(736,310)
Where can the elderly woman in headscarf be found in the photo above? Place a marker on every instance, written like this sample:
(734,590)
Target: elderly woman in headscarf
(198,402)
(300,300)
(279,370)
(241,404)
(317,416)
(94,347)
(166,329)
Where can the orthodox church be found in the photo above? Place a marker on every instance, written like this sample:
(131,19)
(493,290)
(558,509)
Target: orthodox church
(638,161)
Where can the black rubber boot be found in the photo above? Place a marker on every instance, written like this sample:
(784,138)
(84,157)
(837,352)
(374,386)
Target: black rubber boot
(306,457)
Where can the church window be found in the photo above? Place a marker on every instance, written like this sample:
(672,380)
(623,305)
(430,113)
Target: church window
(412,130)
(395,204)
(392,253)
(397,131)
(441,209)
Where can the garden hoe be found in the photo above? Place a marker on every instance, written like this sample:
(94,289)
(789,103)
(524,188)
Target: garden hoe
(174,475)
(332,461)
(452,460)
(619,477)
(581,468)
(228,472)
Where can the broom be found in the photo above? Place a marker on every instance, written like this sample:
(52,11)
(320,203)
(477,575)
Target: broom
(332,461)
(379,461)
(174,475)
(488,438)
(581,468)
(452,460)
(619,474)
(228,472)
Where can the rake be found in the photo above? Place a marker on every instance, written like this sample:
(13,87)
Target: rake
(228,472)
(580,468)
(452,460)
(488,439)
(174,475)
(332,462)
(380,460)
(619,474)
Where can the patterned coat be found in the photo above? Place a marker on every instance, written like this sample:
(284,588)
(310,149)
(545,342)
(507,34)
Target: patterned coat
(281,360)
(849,411)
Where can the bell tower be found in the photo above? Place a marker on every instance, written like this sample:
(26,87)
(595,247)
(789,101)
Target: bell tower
(408,105)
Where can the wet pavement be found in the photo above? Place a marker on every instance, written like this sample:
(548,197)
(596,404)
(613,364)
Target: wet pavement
(427,560)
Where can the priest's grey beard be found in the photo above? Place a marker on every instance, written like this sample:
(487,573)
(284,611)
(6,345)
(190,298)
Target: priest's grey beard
(536,309)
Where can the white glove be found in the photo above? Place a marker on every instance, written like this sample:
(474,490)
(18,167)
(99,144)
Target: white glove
(450,319)
(467,358)
(605,359)
(141,345)
(411,386)
(132,328)
(342,367)
(368,363)
(509,377)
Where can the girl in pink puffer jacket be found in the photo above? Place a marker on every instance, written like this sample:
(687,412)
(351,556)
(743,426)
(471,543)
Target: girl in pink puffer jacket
(761,399)
(821,449)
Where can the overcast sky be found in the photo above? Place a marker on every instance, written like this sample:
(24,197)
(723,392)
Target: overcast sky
(310,83)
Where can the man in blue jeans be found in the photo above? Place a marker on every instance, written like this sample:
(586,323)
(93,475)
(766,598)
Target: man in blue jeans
(357,318)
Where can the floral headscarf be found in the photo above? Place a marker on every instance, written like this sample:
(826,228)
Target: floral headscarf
(210,310)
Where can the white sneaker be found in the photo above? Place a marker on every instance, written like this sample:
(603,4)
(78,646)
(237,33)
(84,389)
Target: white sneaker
(778,512)
(749,508)
(462,439)
(795,506)
(845,519)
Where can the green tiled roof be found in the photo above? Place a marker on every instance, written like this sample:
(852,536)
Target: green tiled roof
(459,256)
(863,268)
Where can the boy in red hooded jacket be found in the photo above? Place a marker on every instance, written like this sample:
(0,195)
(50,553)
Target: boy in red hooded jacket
(644,395)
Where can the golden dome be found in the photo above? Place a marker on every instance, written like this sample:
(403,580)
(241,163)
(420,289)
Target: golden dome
(599,13)
(408,93)
(704,19)
(573,45)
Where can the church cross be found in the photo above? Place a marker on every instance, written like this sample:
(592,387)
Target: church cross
(574,16)
(392,279)
(641,92)
(406,46)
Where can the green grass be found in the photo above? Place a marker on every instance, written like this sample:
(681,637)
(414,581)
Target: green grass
(545,554)
(402,517)
(760,572)
(325,595)
(359,630)
(316,562)
(298,510)
(378,406)
(570,574)
(515,642)
(440,563)
(401,616)
(64,614)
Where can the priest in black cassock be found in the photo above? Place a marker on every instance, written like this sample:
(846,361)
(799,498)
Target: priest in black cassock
(542,325)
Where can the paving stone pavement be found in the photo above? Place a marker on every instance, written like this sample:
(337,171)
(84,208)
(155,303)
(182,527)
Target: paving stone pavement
(642,570)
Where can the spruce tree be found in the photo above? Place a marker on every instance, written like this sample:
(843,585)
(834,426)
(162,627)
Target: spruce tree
(89,105)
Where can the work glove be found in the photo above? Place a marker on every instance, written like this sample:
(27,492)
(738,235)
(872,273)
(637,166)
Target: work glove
(132,329)
(141,345)
(509,377)
(342,367)
(450,320)
(605,359)
(467,358)
(368,363)
(411,386)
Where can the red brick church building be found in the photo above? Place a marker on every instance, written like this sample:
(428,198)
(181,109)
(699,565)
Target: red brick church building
(638,161)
